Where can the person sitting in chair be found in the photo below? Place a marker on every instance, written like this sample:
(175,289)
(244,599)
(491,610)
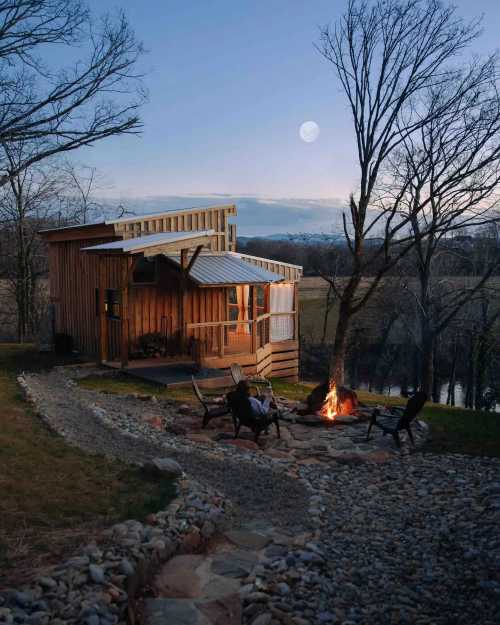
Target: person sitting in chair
(252,412)
(260,405)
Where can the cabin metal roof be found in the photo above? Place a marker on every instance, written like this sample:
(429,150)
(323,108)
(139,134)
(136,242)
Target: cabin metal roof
(128,246)
(219,269)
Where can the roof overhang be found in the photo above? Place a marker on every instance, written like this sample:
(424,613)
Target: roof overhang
(153,244)
(225,269)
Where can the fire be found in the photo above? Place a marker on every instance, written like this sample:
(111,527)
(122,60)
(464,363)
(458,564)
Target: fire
(330,405)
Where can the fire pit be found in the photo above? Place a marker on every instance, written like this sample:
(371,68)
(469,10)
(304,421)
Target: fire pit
(328,403)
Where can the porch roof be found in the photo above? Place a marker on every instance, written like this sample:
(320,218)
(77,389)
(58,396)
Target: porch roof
(219,269)
(167,241)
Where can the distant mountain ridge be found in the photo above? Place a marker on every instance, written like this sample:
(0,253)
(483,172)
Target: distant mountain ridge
(306,238)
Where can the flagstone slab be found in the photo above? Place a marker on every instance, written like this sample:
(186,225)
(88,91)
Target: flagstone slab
(248,540)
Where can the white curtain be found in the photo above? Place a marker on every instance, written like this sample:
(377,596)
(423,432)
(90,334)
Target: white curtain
(242,297)
(281,300)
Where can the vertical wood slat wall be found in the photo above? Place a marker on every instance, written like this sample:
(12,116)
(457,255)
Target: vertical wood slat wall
(74,277)
(216,217)
(152,308)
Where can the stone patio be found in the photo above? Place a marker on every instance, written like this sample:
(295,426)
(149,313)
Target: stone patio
(343,440)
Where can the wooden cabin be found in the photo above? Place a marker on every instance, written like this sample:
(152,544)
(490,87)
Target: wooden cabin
(171,288)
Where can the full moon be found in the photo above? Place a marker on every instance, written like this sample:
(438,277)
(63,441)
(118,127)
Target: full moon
(309,131)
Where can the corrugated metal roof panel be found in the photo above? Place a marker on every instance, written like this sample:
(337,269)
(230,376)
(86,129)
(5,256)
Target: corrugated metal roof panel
(213,269)
(150,240)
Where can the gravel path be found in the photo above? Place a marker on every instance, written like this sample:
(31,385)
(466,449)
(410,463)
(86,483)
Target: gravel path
(256,489)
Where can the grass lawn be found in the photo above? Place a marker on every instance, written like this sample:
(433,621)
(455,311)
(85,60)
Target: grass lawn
(454,430)
(55,497)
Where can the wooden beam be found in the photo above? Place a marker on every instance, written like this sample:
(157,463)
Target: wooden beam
(182,297)
(221,341)
(173,248)
(103,321)
(124,312)
(296,309)
(193,258)
(253,299)
(184,258)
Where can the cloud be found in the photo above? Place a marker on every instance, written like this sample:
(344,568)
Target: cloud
(256,215)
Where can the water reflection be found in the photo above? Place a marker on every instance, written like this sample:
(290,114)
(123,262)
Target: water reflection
(394,390)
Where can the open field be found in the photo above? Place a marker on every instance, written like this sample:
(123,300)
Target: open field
(54,497)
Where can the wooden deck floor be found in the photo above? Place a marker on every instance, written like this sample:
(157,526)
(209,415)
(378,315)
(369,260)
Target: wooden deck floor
(164,372)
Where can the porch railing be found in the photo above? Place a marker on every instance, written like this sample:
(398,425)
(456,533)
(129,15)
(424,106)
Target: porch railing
(220,338)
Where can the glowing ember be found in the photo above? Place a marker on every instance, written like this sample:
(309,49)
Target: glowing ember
(330,406)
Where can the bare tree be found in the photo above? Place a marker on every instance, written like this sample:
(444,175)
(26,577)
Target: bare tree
(41,195)
(450,170)
(27,203)
(82,202)
(62,109)
(385,54)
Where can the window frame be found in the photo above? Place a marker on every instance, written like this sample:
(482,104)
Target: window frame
(155,263)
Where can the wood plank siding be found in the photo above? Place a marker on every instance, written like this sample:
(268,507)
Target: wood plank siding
(77,279)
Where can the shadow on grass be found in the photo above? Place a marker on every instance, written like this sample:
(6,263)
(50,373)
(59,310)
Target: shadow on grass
(55,497)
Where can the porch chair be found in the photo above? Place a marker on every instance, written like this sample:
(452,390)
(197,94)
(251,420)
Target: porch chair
(212,408)
(398,418)
(238,374)
(242,413)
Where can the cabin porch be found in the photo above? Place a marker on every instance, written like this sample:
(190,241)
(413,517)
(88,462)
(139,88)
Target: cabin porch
(165,372)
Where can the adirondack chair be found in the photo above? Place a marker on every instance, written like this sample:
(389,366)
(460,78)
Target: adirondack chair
(242,412)
(238,374)
(212,408)
(398,418)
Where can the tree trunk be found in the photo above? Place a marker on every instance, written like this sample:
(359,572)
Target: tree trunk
(337,362)
(480,372)
(381,349)
(453,374)
(436,396)
(427,365)
(328,306)
(469,393)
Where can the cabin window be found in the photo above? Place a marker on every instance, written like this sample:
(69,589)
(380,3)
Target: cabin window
(145,271)
(112,303)
(233,304)
(239,303)
(261,300)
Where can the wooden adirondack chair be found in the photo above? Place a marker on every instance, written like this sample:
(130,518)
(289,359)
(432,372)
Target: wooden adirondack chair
(243,414)
(398,418)
(212,408)
(238,374)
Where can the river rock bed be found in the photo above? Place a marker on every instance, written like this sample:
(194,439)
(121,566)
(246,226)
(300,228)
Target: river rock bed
(95,587)
(327,535)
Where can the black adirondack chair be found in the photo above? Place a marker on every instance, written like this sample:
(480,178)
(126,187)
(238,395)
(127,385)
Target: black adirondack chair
(212,408)
(242,412)
(398,418)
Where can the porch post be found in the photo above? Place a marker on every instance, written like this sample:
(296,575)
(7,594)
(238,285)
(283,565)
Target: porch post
(296,309)
(267,310)
(124,345)
(103,321)
(253,298)
(182,296)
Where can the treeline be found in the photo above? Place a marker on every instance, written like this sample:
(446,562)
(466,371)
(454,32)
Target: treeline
(461,254)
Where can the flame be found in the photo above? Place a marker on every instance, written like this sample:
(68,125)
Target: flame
(330,405)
